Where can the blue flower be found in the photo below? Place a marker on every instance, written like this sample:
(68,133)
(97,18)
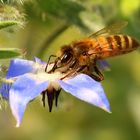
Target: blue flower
(28,79)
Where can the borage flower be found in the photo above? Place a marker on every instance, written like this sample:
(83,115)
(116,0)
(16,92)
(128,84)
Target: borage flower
(29,80)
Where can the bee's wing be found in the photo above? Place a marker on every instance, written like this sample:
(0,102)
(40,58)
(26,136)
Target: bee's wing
(111,29)
(103,65)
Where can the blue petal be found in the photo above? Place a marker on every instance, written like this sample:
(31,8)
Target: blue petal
(85,88)
(17,67)
(103,65)
(37,60)
(20,66)
(4,91)
(22,92)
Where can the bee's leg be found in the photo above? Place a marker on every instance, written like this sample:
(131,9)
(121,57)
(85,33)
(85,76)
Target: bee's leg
(97,75)
(74,71)
(100,75)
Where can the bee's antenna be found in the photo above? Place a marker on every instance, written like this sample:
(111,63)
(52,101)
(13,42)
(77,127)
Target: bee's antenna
(49,61)
(55,65)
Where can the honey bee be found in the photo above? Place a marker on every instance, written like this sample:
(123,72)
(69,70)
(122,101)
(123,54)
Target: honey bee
(88,55)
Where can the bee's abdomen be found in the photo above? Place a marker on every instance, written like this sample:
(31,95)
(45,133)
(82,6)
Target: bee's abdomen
(116,45)
(122,42)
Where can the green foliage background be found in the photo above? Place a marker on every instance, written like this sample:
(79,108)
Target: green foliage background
(50,24)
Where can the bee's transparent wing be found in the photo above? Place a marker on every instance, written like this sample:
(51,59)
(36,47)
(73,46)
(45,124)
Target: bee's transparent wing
(111,29)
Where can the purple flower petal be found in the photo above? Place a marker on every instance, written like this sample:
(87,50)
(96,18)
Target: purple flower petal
(20,66)
(22,92)
(85,88)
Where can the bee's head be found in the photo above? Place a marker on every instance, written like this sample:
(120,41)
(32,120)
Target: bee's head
(66,55)
(63,58)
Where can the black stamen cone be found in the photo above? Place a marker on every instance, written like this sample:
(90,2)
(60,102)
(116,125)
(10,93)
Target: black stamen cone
(43,98)
(57,93)
(50,95)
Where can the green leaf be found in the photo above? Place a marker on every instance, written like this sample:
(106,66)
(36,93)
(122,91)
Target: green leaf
(9,16)
(4,24)
(64,9)
(6,53)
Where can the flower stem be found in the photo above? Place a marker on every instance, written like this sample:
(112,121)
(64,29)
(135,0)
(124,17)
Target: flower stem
(51,38)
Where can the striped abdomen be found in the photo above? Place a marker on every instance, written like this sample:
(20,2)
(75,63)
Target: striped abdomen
(115,45)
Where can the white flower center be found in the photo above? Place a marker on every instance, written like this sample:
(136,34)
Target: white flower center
(43,76)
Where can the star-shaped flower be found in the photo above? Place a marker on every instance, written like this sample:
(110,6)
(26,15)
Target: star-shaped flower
(28,79)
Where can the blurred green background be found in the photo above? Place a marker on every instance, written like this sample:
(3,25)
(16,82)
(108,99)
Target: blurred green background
(50,24)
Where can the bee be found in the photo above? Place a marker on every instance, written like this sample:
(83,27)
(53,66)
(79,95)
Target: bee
(88,54)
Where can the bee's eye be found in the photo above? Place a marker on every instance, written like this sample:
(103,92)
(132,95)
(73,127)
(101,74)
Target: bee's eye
(66,57)
(84,53)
